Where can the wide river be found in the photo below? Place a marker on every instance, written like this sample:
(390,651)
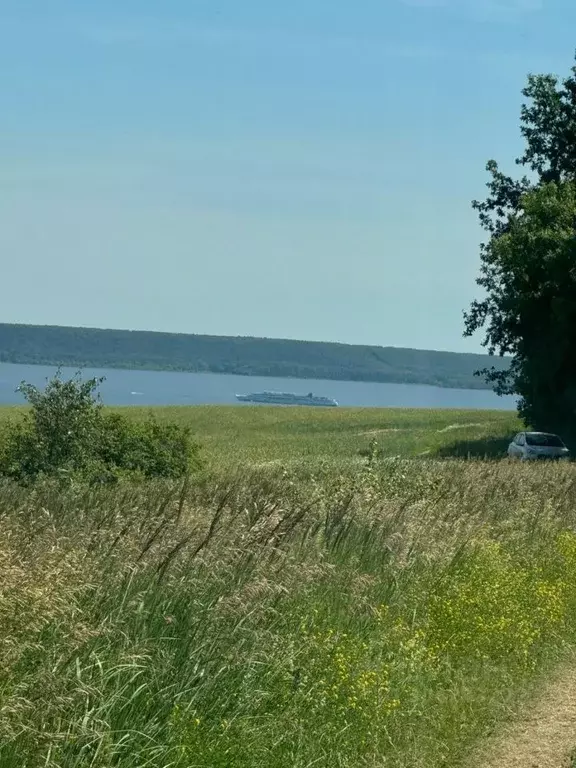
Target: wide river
(167,388)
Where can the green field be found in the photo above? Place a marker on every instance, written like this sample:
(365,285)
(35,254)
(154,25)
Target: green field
(266,435)
(356,614)
(262,434)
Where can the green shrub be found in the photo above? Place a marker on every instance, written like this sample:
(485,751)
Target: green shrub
(67,433)
(148,447)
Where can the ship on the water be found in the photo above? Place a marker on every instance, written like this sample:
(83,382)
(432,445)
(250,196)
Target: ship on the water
(287,398)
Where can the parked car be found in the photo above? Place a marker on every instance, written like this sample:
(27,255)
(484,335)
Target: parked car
(529,446)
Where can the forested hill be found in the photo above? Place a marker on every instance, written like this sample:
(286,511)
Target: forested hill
(96,348)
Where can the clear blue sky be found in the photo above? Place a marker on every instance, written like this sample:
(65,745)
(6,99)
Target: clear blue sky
(295,169)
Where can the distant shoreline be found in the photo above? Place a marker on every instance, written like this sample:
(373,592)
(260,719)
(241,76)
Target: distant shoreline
(241,356)
(476,385)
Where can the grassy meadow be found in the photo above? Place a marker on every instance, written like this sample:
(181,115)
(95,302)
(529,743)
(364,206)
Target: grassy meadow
(294,605)
(266,434)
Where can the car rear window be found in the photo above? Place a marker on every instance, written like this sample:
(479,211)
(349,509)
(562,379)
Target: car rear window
(545,441)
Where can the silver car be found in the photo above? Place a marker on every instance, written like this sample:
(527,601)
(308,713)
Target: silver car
(530,446)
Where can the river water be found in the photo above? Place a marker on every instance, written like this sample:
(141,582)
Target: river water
(128,387)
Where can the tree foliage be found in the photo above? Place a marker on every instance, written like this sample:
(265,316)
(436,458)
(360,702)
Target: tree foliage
(67,433)
(528,264)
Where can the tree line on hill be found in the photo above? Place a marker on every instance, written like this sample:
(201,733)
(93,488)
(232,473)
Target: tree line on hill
(96,348)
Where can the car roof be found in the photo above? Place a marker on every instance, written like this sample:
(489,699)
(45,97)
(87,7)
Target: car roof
(548,434)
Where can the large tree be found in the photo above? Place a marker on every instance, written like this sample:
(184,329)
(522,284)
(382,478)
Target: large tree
(528,264)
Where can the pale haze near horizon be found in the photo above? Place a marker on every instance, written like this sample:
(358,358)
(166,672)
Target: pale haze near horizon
(297,170)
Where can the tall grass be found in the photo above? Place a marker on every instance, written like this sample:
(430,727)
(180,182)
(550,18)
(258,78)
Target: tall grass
(387,616)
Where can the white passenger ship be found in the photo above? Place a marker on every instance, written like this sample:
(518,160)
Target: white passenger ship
(287,398)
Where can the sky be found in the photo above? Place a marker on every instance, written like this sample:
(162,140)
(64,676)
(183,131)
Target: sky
(297,169)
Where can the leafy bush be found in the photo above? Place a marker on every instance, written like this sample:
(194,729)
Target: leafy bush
(67,432)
